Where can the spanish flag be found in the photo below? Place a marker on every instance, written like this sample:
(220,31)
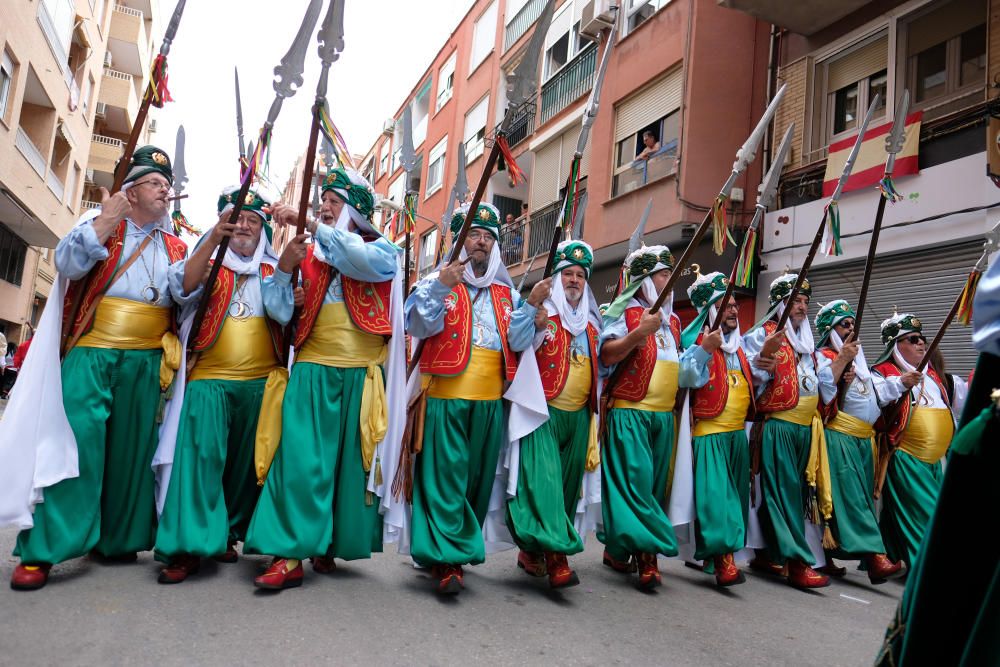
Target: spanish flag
(870,165)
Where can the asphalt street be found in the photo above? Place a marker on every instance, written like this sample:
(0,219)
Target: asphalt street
(383,612)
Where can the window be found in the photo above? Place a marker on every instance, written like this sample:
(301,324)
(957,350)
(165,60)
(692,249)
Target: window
(85,96)
(383,160)
(847,82)
(557,55)
(446,82)
(6,83)
(647,155)
(483,35)
(475,130)
(72,200)
(57,18)
(428,249)
(12,253)
(563,40)
(638,11)
(946,54)
(435,168)
(421,110)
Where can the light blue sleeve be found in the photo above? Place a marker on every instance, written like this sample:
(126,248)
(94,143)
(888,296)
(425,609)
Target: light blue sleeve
(347,252)
(424,309)
(986,312)
(752,343)
(824,373)
(522,325)
(276,292)
(694,367)
(175,282)
(612,330)
(888,389)
(79,251)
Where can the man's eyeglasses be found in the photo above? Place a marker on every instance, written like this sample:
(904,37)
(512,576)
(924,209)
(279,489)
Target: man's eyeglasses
(159,185)
(914,339)
(849,324)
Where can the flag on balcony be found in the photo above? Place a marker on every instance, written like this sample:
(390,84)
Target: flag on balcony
(870,165)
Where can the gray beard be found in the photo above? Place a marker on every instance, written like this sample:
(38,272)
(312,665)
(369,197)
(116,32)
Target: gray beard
(479,268)
(241,247)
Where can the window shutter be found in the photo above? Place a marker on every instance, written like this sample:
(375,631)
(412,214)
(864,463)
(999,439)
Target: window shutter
(545,174)
(476,118)
(651,103)
(860,63)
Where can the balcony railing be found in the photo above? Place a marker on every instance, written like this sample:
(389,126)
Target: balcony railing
(129,11)
(525,239)
(30,152)
(523,20)
(522,125)
(108,141)
(88,205)
(569,83)
(639,172)
(56,186)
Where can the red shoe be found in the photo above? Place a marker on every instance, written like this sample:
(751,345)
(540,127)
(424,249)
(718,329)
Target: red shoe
(649,572)
(560,573)
(763,564)
(179,569)
(881,569)
(450,578)
(229,555)
(726,572)
(324,564)
(532,564)
(623,566)
(279,576)
(30,577)
(802,576)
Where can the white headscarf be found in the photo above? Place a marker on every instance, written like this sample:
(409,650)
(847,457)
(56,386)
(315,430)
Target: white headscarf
(929,387)
(650,294)
(731,341)
(495,270)
(860,363)
(574,321)
(801,339)
(249,265)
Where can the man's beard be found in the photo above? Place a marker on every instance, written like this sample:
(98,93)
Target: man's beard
(479,268)
(573,296)
(243,245)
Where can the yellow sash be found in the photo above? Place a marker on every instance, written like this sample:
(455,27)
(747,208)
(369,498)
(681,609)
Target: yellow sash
(858,428)
(734,414)
(482,379)
(801,414)
(576,393)
(243,351)
(269,422)
(593,446)
(335,341)
(928,434)
(123,324)
(818,467)
(662,392)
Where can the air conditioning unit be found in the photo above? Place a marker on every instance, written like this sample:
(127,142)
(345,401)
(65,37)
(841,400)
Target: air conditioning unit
(101,110)
(389,127)
(597,15)
(107,58)
(152,125)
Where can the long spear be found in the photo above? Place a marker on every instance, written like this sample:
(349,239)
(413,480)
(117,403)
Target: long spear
(766,194)
(408,159)
(830,212)
(458,194)
(572,181)
(180,223)
(894,142)
(522,85)
(634,243)
(744,156)
(288,79)
(156,94)
(239,122)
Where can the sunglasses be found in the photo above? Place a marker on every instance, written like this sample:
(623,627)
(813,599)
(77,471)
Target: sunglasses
(914,339)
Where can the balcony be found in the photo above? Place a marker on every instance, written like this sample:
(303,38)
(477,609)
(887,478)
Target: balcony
(522,125)
(523,20)
(88,205)
(804,17)
(56,186)
(533,236)
(127,41)
(121,103)
(30,152)
(104,153)
(569,83)
(640,172)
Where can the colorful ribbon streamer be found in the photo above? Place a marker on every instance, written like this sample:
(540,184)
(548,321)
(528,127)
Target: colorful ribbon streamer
(831,231)
(180,223)
(720,225)
(516,175)
(158,82)
(964,314)
(336,140)
(888,190)
(745,262)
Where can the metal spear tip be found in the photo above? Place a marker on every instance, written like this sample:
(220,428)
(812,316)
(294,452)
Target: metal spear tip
(746,154)
(769,185)
(331,33)
(523,81)
(288,75)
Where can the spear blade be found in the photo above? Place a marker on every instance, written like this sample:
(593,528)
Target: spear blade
(635,241)
(180,172)
(594,101)
(768,190)
(171,31)
(239,115)
(849,165)
(748,151)
(897,136)
(461,189)
(288,74)
(407,155)
(523,81)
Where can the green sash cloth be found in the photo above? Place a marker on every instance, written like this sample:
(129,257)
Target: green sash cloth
(314,500)
(635,475)
(549,482)
(784,456)
(453,479)
(213,485)
(852,481)
(721,493)
(111,399)
(908,498)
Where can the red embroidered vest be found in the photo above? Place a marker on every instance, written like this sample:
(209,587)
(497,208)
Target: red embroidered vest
(92,287)
(709,401)
(634,380)
(367,303)
(218,308)
(448,352)
(782,392)
(553,359)
(895,430)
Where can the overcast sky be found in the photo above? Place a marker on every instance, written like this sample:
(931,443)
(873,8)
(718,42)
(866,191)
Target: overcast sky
(388,44)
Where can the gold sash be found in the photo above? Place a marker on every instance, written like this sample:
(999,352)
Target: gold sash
(482,379)
(662,392)
(734,414)
(801,414)
(858,428)
(928,434)
(269,422)
(335,341)
(243,351)
(123,324)
(576,393)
